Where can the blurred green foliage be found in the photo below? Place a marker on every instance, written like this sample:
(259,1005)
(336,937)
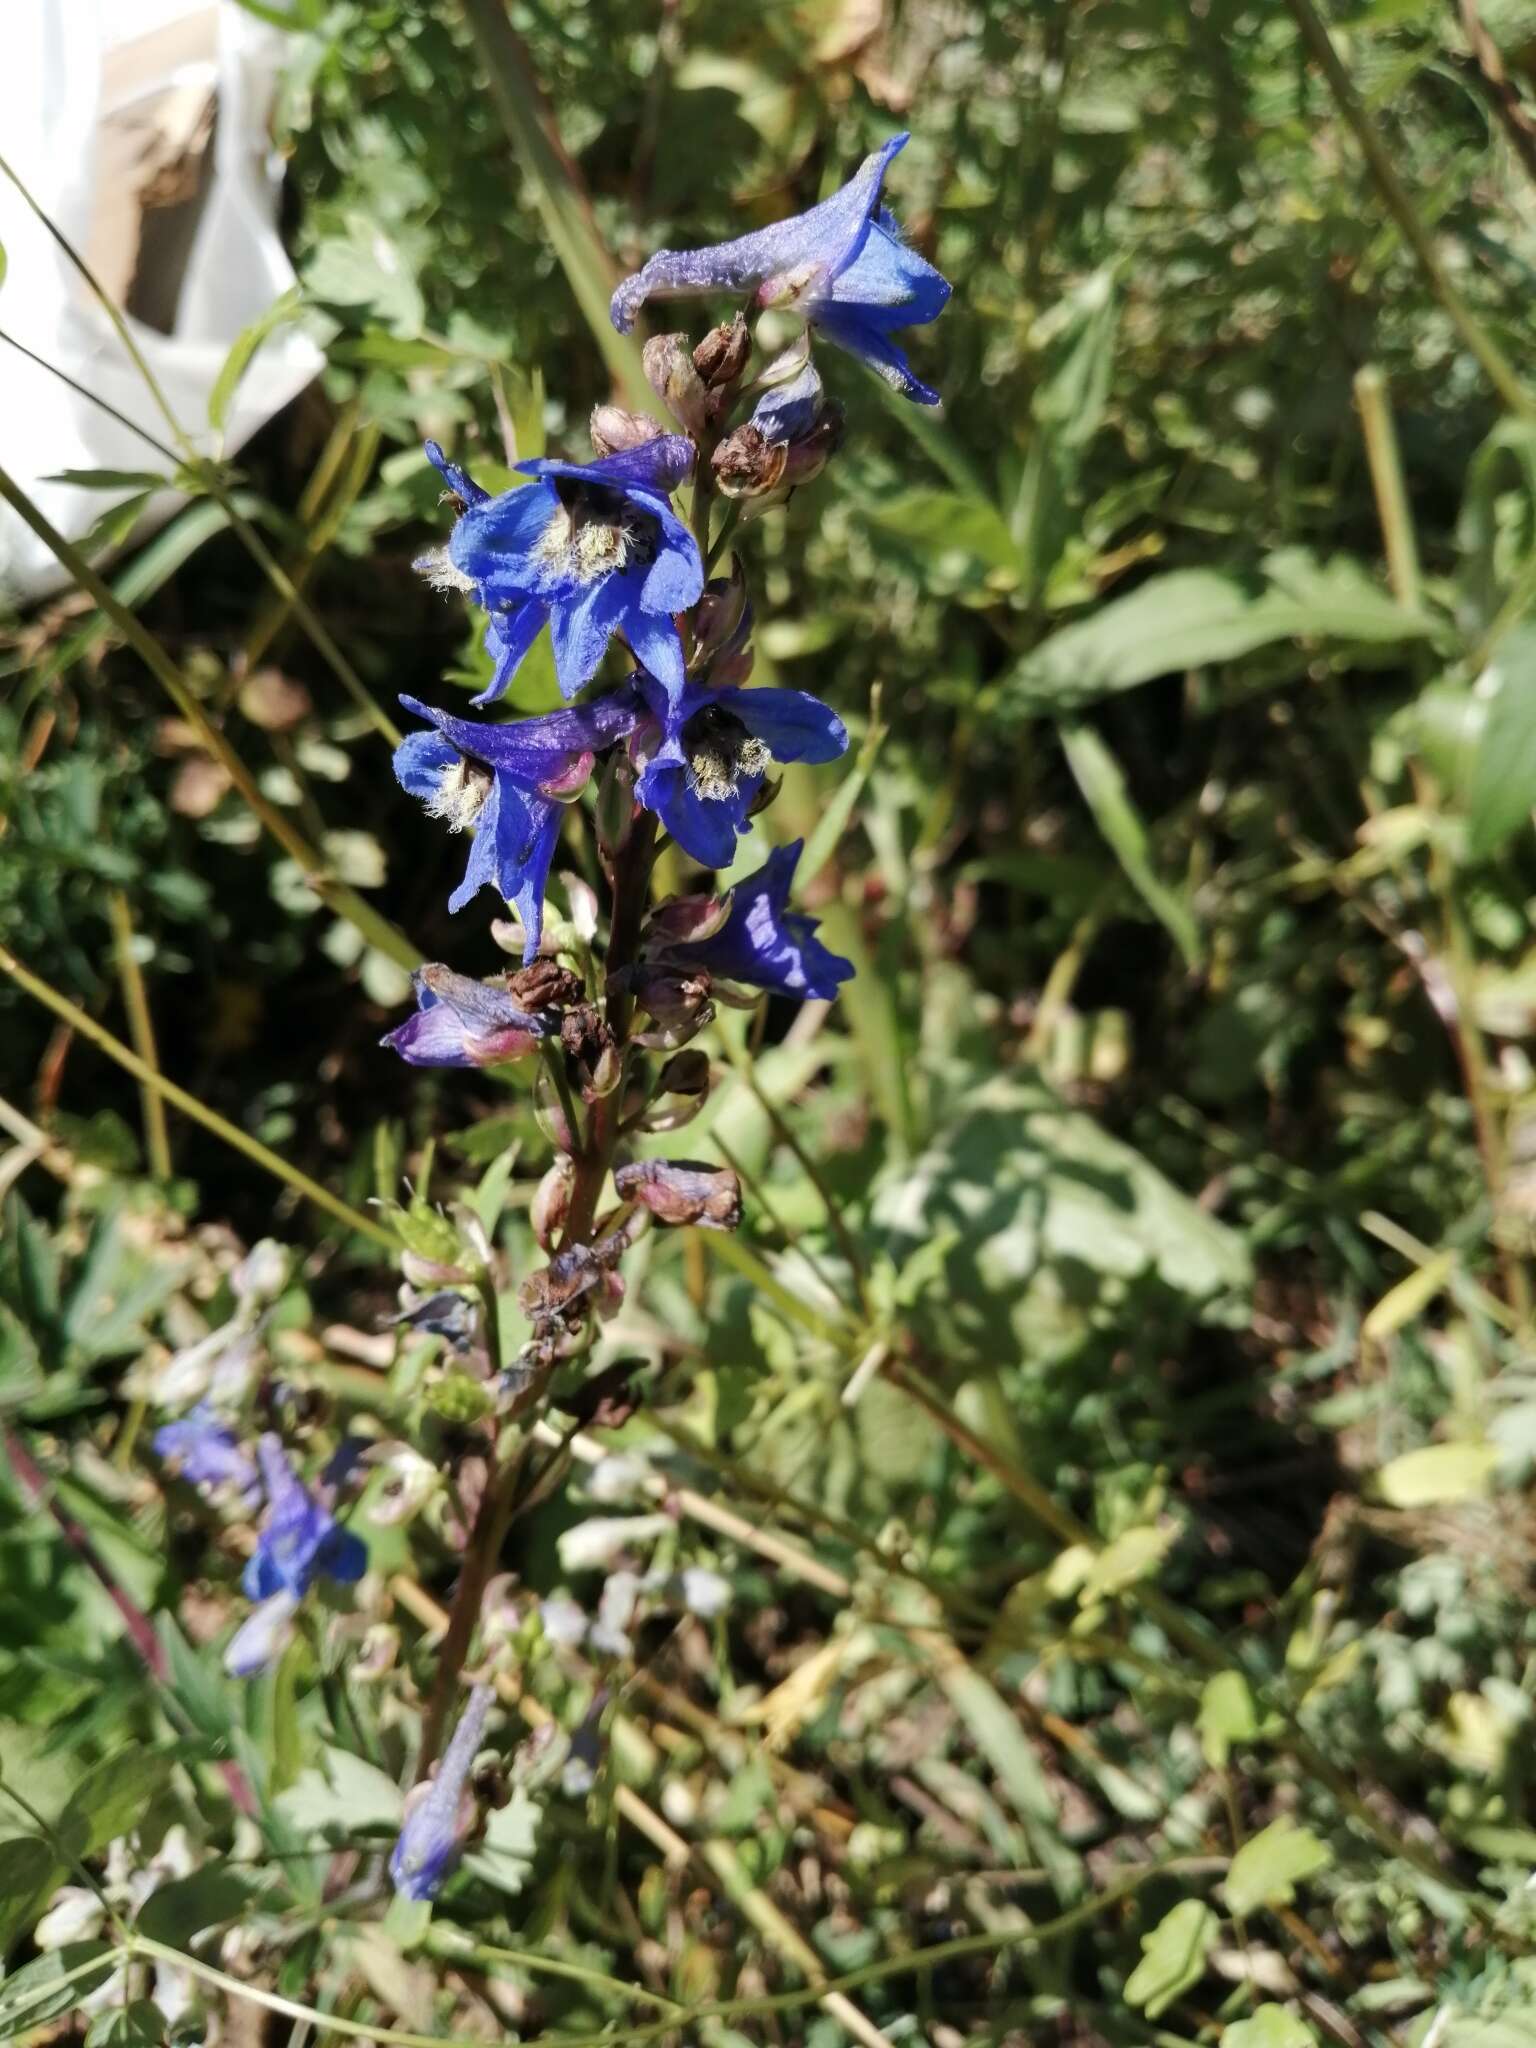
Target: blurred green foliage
(1178,1125)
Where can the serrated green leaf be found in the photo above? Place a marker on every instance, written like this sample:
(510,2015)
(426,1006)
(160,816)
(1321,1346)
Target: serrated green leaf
(1268,1868)
(1173,1957)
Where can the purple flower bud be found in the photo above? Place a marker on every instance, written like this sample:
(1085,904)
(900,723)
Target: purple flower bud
(463,1023)
(682,1191)
(440,1813)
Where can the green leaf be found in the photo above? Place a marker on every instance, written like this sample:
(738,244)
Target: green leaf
(1227,1716)
(941,522)
(1133,1556)
(183,1908)
(112,1799)
(1269,2026)
(1267,1869)
(139,2025)
(29,1870)
(1173,1957)
(1435,1474)
(110,479)
(504,1855)
(244,347)
(552,182)
(346,1794)
(1103,786)
(994,1728)
(1503,789)
(1191,617)
(53,1984)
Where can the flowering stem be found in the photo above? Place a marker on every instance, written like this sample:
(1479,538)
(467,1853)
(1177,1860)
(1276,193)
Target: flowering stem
(150,1078)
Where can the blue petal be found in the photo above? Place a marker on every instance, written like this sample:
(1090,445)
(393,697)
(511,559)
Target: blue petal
(658,648)
(420,761)
(493,543)
(857,332)
(342,1557)
(261,1637)
(704,827)
(657,466)
(535,852)
(581,627)
(531,750)
(480,868)
(794,725)
(431,1038)
(508,636)
(675,579)
(824,239)
(457,480)
(887,274)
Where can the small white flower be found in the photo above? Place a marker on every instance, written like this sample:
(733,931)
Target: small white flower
(75,1914)
(616,1479)
(591,1545)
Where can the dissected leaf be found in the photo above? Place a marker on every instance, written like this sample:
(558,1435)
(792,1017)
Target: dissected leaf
(1173,1957)
(1270,1865)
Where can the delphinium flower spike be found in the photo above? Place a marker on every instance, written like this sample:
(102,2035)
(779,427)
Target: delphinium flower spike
(440,1812)
(842,266)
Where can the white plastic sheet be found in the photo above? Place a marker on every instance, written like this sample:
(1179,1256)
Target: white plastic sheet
(140,126)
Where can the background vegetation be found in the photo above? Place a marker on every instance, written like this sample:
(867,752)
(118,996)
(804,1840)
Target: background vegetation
(1115,1419)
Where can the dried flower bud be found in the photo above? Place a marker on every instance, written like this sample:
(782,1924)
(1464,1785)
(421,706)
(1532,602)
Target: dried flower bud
(722,355)
(551,1203)
(682,1191)
(544,985)
(614,429)
(748,465)
(669,366)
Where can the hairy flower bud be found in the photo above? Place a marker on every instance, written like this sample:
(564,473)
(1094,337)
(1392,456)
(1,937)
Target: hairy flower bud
(682,1191)
(686,1073)
(669,366)
(614,429)
(722,355)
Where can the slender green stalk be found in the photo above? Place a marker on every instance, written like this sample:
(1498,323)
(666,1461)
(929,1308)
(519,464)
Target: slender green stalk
(157,1143)
(1386,464)
(556,188)
(453,1947)
(336,895)
(189,1105)
(210,478)
(1399,203)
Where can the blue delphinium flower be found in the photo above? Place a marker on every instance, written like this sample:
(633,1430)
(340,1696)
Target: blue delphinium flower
(439,1814)
(704,757)
(300,1541)
(764,943)
(843,267)
(207,1453)
(594,547)
(462,1023)
(509,783)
